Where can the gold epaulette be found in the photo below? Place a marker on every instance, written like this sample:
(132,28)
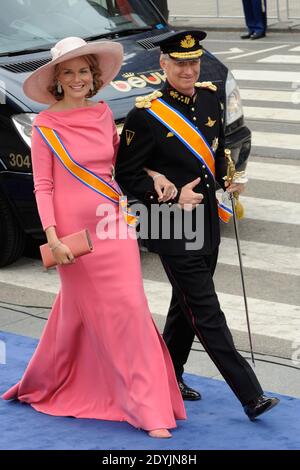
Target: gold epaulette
(145,101)
(208,85)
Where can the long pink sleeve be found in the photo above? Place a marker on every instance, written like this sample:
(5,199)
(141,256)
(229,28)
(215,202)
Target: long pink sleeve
(116,138)
(42,164)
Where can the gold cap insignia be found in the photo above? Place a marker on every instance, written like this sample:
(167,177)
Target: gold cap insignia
(188,42)
(210,122)
(170,134)
(129,136)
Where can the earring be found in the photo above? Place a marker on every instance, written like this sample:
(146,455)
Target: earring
(59,88)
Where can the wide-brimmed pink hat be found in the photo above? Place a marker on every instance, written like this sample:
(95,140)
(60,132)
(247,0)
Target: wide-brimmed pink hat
(109,55)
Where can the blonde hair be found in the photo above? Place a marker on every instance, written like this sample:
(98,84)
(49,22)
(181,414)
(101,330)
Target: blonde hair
(91,59)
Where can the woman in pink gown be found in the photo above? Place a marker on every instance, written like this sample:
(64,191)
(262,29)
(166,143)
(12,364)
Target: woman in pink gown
(100,355)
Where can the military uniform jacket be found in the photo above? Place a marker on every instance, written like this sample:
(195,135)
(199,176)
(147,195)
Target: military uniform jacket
(147,143)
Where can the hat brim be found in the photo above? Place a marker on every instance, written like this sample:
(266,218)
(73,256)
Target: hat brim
(109,56)
(158,41)
(184,56)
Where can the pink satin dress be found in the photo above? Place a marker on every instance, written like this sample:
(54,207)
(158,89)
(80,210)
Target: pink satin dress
(100,355)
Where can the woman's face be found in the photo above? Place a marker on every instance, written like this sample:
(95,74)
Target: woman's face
(75,77)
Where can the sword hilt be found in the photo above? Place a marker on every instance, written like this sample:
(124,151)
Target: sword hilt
(230,166)
(231,173)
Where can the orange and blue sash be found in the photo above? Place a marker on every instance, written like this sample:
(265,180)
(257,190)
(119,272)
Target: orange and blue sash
(85,176)
(191,137)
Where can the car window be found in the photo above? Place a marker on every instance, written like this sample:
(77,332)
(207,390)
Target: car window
(38,23)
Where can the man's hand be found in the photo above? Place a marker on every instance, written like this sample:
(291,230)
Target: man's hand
(235,187)
(188,198)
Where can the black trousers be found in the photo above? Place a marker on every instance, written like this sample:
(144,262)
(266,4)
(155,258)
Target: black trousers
(195,309)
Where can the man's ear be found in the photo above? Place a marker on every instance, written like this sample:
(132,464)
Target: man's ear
(162,63)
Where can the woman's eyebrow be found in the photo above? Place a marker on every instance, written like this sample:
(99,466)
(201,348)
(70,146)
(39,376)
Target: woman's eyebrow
(67,69)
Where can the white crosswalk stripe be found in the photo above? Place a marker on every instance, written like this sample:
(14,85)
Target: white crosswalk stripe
(267,76)
(283,319)
(280,59)
(276,140)
(265,256)
(272,114)
(253,53)
(271,210)
(269,95)
(252,89)
(289,174)
(295,49)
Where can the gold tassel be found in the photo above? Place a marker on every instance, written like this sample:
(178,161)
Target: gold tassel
(239,208)
(231,176)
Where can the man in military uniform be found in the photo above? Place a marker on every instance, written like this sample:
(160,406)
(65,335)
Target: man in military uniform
(164,133)
(256,18)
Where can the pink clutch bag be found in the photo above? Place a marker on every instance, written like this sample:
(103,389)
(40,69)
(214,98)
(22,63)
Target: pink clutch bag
(79,243)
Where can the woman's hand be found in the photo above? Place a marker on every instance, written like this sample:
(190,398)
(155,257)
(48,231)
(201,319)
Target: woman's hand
(165,189)
(62,254)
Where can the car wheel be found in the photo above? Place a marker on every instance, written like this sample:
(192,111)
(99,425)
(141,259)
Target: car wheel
(12,237)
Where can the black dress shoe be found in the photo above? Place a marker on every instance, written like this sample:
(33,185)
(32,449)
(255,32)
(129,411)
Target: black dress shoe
(259,406)
(246,36)
(188,393)
(257,35)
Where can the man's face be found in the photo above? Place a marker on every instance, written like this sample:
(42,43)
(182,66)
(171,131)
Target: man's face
(182,74)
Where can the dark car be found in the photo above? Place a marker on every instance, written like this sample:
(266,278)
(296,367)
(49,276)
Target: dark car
(162,6)
(28,29)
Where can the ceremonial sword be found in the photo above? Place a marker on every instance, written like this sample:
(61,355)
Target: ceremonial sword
(232,196)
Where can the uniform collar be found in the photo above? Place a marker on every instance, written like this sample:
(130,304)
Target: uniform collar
(177,96)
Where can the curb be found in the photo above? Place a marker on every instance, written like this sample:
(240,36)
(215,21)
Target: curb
(186,22)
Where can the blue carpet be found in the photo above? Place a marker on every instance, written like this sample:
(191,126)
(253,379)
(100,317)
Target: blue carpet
(216,422)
